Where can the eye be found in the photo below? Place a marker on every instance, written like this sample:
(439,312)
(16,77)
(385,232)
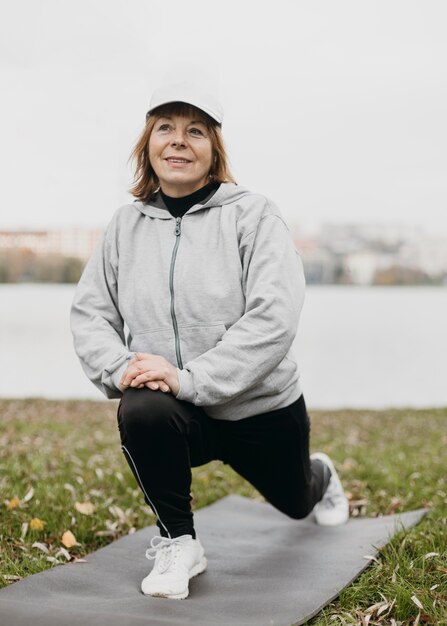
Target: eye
(163,127)
(196,131)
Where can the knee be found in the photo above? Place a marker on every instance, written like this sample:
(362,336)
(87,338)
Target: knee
(144,411)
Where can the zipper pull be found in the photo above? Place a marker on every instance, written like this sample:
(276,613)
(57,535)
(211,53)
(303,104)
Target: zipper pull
(178,222)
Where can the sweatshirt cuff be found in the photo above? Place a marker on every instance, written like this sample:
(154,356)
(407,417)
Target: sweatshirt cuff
(186,391)
(118,373)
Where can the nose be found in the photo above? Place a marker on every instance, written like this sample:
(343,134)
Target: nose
(179,138)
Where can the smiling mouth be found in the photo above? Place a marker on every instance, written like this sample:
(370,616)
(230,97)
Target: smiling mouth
(175,160)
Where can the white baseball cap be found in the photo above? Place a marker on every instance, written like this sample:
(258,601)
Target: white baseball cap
(190,94)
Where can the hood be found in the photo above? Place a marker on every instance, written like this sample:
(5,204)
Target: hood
(225,194)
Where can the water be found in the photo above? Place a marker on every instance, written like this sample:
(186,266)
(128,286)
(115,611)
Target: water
(357,347)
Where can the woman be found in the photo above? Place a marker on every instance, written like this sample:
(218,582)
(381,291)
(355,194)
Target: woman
(205,275)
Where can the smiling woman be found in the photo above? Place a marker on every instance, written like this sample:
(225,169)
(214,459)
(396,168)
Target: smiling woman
(181,153)
(183,131)
(205,275)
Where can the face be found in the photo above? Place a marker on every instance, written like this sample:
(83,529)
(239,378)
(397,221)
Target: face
(180,152)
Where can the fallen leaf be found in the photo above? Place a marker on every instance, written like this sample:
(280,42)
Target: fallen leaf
(430,555)
(358,503)
(64,552)
(364,618)
(395,504)
(394,576)
(36,524)
(11,577)
(12,504)
(68,539)
(374,607)
(117,512)
(372,558)
(111,525)
(29,495)
(24,531)
(41,546)
(105,533)
(86,508)
(383,608)
(417,602)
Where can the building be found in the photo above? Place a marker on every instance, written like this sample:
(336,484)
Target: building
(73,242)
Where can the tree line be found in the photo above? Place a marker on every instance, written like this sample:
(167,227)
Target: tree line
(23,265)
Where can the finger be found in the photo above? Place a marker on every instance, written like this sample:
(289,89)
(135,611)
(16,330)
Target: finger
(159,384)
(150,376)
(129,375)
(126,378)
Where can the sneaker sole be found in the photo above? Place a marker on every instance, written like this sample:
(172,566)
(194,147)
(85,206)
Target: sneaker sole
(196,570)
(338,522)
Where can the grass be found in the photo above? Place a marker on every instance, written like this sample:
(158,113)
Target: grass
(56,456)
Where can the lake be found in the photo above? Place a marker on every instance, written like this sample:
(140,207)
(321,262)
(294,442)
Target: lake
(359,347)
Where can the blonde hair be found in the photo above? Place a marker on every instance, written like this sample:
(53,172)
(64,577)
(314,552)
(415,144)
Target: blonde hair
(145,179)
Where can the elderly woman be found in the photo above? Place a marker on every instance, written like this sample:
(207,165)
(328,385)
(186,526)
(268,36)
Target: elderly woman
(205,276)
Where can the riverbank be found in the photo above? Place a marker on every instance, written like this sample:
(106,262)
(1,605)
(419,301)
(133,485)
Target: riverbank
(63,481)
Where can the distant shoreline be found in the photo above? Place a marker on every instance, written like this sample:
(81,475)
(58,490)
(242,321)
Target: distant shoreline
(308,284)
(317,410)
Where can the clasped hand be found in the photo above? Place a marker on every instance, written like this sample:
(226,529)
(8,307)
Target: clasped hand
(152,371)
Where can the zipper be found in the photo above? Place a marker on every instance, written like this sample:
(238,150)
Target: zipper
(177,232)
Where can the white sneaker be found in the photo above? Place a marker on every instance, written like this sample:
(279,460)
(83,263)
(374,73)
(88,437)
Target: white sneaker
(333,508)
(176,561)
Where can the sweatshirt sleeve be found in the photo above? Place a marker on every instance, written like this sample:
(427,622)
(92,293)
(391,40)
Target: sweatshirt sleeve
(273,280)
(96,323)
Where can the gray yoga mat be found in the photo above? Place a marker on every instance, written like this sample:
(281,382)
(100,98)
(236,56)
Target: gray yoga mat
(263,569)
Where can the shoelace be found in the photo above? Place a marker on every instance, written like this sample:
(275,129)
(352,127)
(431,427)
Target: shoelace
(332,497)
(331,501)
(165,549)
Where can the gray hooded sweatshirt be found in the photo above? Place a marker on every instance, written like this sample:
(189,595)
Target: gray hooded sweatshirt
(218,293)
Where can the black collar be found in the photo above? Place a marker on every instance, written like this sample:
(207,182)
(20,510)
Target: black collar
(179,206)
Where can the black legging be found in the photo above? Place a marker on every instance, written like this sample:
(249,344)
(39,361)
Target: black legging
(162,438)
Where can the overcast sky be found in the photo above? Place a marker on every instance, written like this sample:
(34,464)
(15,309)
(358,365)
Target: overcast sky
(335,110)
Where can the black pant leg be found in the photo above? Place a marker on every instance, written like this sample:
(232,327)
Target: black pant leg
(271,451)
(162,438)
